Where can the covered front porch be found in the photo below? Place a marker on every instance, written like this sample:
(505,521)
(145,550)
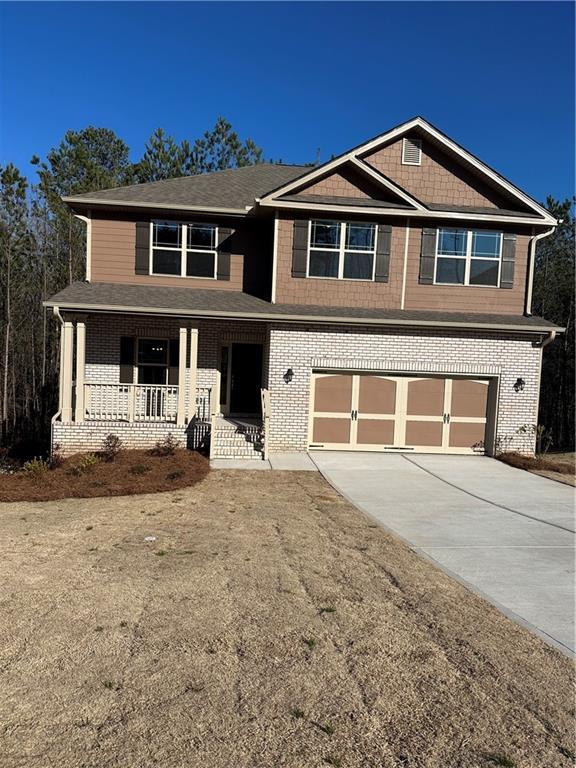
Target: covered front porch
(144,376)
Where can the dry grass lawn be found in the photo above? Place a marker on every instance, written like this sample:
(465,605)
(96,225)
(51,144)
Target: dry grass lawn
(269,624)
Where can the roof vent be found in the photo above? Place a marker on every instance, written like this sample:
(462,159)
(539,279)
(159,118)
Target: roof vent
(411,152)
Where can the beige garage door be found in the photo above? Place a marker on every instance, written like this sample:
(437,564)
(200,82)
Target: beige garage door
(395,413)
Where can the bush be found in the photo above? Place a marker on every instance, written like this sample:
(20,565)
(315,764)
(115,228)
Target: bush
(111,447)
(167,446)
(36,468)
(86,463)
(139,469)
(56,457)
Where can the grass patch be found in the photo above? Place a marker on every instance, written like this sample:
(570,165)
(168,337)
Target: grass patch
(335,762)
(297,714)
(327,609)
(310,642)
(324,727)
(496,758)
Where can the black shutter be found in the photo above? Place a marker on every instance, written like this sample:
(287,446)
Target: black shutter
(142,247)
(224,251)
(383,253)
(127,349)
(300,248)
(173,361)
(427,257)
(508,261)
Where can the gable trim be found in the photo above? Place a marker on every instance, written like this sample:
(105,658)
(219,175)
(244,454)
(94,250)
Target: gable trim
(417,122)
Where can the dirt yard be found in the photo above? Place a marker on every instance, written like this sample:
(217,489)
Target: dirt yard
(268,624)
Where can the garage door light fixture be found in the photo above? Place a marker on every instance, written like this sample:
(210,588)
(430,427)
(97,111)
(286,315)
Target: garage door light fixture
(519,384)
(288,376)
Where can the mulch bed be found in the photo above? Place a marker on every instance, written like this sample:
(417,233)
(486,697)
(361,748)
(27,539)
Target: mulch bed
(557,466)
(131,472)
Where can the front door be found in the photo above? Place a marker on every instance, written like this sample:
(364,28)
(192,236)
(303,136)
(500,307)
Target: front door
(246,379)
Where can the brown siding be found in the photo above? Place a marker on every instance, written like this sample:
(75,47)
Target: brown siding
(438,179)
(113,256)
(347,182)
(465,298)
(337,293)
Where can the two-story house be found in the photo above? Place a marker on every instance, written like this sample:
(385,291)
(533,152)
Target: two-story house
(378,302)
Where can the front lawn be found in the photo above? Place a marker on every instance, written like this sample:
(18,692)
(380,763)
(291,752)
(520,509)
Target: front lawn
(257,620)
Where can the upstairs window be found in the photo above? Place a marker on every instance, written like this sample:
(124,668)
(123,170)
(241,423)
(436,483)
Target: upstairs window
(341,250)
(468,257)
(184,250)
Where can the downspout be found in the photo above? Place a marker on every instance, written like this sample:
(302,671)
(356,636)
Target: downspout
(548,340)
(88,221)
(58,413)
(531,265)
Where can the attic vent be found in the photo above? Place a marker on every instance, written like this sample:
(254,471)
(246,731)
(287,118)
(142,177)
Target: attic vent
(411,151)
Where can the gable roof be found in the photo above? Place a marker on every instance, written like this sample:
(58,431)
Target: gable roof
(356,155)
(233,190)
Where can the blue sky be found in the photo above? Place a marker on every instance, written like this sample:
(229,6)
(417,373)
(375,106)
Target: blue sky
(497,77)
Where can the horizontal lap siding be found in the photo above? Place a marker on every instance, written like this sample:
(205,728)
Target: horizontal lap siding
(336,293)
(465,298)
(113,260)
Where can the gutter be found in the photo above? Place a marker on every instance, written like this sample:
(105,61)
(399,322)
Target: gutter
(292,318)
(158,206)
(532,264)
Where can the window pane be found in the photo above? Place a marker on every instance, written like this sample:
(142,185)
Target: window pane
(486,244)
(201,236)
(450,270)
(323,264)
(358,266)
(360,236)
(152,351)
(452,242)
(200,264)
(483,272)
(166,262)
(167,233)
(325,234)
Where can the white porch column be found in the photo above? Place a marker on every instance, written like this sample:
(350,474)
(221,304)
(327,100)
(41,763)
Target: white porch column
(193,375)
(80,362)
(181,415)
(66,355)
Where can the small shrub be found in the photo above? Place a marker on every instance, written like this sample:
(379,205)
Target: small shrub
(111,447)
(36,468)
(166,446)
(139,469)
(86,463)
(56,457)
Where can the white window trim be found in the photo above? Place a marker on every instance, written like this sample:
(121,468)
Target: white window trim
(183,250)
(467,257)
(341,250)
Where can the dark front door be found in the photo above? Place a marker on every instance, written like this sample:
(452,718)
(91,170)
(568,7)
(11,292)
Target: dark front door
(246,379)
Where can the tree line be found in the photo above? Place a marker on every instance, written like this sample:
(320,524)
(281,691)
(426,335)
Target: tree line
(42,249)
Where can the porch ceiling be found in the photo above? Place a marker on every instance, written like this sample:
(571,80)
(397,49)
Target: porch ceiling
(193,302)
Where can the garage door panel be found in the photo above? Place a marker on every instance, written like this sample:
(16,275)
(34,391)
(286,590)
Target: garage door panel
(466,434)
(375,432)
(426,397)
(424,433)
(331,430)
(333,394)
(469,398)
(376,394)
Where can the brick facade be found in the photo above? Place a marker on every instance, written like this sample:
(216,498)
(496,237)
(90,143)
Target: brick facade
(303,348)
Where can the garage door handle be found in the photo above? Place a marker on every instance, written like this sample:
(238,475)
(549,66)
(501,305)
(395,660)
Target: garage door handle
(354,415)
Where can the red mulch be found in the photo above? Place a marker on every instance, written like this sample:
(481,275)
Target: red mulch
(131,472)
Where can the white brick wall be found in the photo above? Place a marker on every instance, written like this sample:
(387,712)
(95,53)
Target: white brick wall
(302,348)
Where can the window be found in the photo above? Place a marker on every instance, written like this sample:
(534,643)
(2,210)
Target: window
(186,250)
(466,257)
(342,250)
(152,358)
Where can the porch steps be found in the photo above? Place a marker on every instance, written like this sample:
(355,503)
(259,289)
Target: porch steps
(236,440)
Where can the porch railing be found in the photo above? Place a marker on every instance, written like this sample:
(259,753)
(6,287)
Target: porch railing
(139,402)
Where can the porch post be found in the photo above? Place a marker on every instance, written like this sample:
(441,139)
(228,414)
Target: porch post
(181,414)
(193,374)
(66,355)
(80,361)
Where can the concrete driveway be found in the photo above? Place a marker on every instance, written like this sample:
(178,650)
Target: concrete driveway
(507,534)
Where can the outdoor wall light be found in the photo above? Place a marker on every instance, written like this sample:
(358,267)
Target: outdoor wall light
(288,376)
(519,384)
